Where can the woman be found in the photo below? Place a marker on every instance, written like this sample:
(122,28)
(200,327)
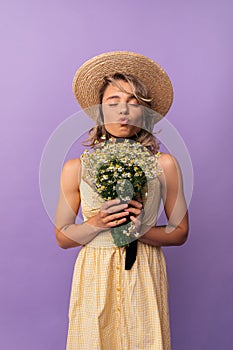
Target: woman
(115,304)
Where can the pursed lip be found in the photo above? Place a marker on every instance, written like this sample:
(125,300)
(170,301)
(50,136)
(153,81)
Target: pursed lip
(123,120)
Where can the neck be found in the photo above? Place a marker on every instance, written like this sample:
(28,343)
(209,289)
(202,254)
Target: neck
(133,137)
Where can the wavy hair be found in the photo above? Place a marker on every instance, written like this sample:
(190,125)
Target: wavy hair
(145,136)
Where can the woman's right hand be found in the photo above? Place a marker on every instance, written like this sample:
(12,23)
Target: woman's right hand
(112,213)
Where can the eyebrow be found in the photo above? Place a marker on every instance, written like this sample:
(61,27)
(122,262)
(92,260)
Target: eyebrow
(116,96)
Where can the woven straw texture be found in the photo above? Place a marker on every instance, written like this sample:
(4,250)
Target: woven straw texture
(112,308)
(89,78)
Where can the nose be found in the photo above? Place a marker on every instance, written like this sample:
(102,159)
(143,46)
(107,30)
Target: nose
(124,108)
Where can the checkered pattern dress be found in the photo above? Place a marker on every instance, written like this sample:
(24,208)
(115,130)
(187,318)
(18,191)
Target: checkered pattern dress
(112,308)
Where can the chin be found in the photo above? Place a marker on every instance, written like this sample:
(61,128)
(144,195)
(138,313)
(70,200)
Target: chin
(123,134)
(123,131)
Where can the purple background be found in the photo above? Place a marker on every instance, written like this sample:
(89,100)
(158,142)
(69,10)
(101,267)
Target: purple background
(42,45)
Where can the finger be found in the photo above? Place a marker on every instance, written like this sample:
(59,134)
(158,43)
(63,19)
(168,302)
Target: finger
(134,219)
(134,211)
(116,208)
(135,204)
(117,216)
(103,213)
(136,222)
(116,222)
(107,204)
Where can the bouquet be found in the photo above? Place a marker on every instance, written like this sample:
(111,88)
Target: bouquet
(120,169)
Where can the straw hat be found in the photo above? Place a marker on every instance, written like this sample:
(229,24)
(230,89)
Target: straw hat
(90,77)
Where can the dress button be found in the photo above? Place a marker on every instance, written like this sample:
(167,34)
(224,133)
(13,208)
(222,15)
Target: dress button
(118,289)
(118,267)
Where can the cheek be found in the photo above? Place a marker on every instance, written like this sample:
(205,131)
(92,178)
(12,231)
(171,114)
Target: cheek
(137,118)
(109,115)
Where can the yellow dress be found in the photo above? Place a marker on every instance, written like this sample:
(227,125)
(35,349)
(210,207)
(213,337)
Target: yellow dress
(112,308)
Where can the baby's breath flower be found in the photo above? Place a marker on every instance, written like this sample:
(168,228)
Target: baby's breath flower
(120,169)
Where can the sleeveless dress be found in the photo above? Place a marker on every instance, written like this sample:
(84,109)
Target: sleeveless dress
(112,308)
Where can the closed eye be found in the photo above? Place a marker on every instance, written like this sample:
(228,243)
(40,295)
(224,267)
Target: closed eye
(113,104)
(133,101)
(134,104)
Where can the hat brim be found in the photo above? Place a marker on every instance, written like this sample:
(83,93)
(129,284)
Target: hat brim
(90,77)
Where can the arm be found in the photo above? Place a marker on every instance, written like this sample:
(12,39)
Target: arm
(69,234)
(68,203)
(176,231)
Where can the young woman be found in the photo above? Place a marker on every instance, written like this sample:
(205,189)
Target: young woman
(114,305)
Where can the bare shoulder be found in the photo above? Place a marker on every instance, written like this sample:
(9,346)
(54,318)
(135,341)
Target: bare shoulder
(71,172)
(171,172)
(72,164)
(168,162)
